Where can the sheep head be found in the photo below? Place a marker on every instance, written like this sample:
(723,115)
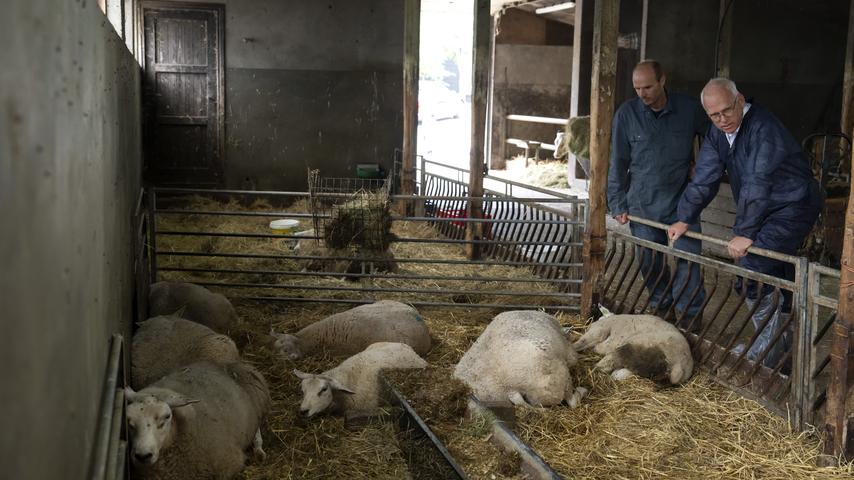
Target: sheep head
(287,345)
(151,423)
(318,392)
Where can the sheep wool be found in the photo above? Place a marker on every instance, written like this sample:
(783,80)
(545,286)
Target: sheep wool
(521,357)
(193,302)
(351,331)
(162,344)
(209,436)
(643,345)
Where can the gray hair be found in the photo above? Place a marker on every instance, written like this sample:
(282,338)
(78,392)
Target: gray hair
(721,82)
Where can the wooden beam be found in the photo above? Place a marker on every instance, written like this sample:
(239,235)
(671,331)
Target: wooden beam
(839,438)
(411,40)
(724,58)
(606,20)
(480,90)
(848,79)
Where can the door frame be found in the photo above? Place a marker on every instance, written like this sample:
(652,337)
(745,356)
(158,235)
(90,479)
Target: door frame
(220,66)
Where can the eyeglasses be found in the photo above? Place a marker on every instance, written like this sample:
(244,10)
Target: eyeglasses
(725,113)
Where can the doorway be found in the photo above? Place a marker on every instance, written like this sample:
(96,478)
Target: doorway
(183,94)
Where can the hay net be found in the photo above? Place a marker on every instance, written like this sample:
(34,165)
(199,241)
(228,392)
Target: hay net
(351,213)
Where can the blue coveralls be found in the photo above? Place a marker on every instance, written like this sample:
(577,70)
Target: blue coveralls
(777,198)
(650,167)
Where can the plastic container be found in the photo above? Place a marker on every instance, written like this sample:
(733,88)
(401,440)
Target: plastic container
(284,227)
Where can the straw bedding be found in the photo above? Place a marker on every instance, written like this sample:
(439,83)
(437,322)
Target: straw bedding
(631,429)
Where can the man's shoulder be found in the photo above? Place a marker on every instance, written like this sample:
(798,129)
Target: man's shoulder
(630,107)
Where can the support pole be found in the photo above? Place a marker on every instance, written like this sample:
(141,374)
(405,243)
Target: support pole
(724,56)
(837,425)
(411,39)
(848,78)
(606,20)
(480,89)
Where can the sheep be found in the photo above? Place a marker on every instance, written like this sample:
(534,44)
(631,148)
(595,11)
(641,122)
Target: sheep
(351,331)
(524,358)
(354,383)
(198,303)
(165,343)
(643,345)
(197,422)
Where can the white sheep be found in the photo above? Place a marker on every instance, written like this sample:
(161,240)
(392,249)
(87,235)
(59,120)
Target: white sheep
(354,384)
(197,422)
(163,344)
(193,302)
(351,331)
(523,357)
(643,345)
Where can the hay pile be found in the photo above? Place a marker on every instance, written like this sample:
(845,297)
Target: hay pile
(364,222)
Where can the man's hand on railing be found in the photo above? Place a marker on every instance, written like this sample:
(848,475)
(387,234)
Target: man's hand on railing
(622,218)
(676,230)
(738,246)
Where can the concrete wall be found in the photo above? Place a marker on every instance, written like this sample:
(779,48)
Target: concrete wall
(69,177)
(529,80)
(311,84)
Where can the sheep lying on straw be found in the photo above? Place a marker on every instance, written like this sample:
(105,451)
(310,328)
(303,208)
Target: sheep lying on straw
(196,422)
(193,302)
(523,357)
(643,345)
(354,384)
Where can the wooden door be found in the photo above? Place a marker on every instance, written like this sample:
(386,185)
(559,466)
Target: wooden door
(183,94)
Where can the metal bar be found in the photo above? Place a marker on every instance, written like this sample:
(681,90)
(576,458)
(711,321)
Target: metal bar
(484,263)
(333,288)
(108,399)
(717,241)
(717,264)
(503,306)
(152,233)
(416,419)
(535,466)
(115,430)
(535,119)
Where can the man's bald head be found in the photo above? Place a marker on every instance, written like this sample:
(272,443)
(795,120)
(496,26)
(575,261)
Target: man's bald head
(648,81)
(723,103)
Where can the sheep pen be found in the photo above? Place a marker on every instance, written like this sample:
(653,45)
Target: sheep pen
(631,429)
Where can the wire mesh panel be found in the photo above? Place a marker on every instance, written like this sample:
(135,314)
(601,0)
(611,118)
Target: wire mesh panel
(745,328)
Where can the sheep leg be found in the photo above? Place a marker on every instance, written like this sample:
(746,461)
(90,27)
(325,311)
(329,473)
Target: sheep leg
(257,446)
(517,399)
(622,374)
(574,396)
(594,335)
(607,363)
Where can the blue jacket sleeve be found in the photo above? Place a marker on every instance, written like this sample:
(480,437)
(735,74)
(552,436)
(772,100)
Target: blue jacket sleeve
(766,154)
(618,171)
(704,185)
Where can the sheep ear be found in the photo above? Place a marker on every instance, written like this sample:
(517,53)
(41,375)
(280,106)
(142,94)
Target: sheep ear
(338,386)
(179,401)
(302,375)
(131,396)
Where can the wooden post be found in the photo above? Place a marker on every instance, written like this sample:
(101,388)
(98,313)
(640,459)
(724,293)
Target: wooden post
(848,79)
(411,39)
(724,57)
(480,89)
(839,436)
(605,25)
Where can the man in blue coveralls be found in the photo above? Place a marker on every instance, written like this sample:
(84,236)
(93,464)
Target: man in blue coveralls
(777,198)
(651,154)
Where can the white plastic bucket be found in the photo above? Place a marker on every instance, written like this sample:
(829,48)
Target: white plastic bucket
(284,227)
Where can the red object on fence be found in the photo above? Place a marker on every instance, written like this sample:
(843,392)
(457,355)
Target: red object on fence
(459,213)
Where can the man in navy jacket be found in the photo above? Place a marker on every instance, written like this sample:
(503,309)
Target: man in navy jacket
(777,198)
(651,155)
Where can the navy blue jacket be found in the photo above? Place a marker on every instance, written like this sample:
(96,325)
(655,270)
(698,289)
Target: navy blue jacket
(766,167)
(651,156)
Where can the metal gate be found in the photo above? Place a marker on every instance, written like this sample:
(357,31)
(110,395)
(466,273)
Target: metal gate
(728,324)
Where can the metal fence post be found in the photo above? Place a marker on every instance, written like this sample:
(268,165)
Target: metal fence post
(803,325)
(152,233)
